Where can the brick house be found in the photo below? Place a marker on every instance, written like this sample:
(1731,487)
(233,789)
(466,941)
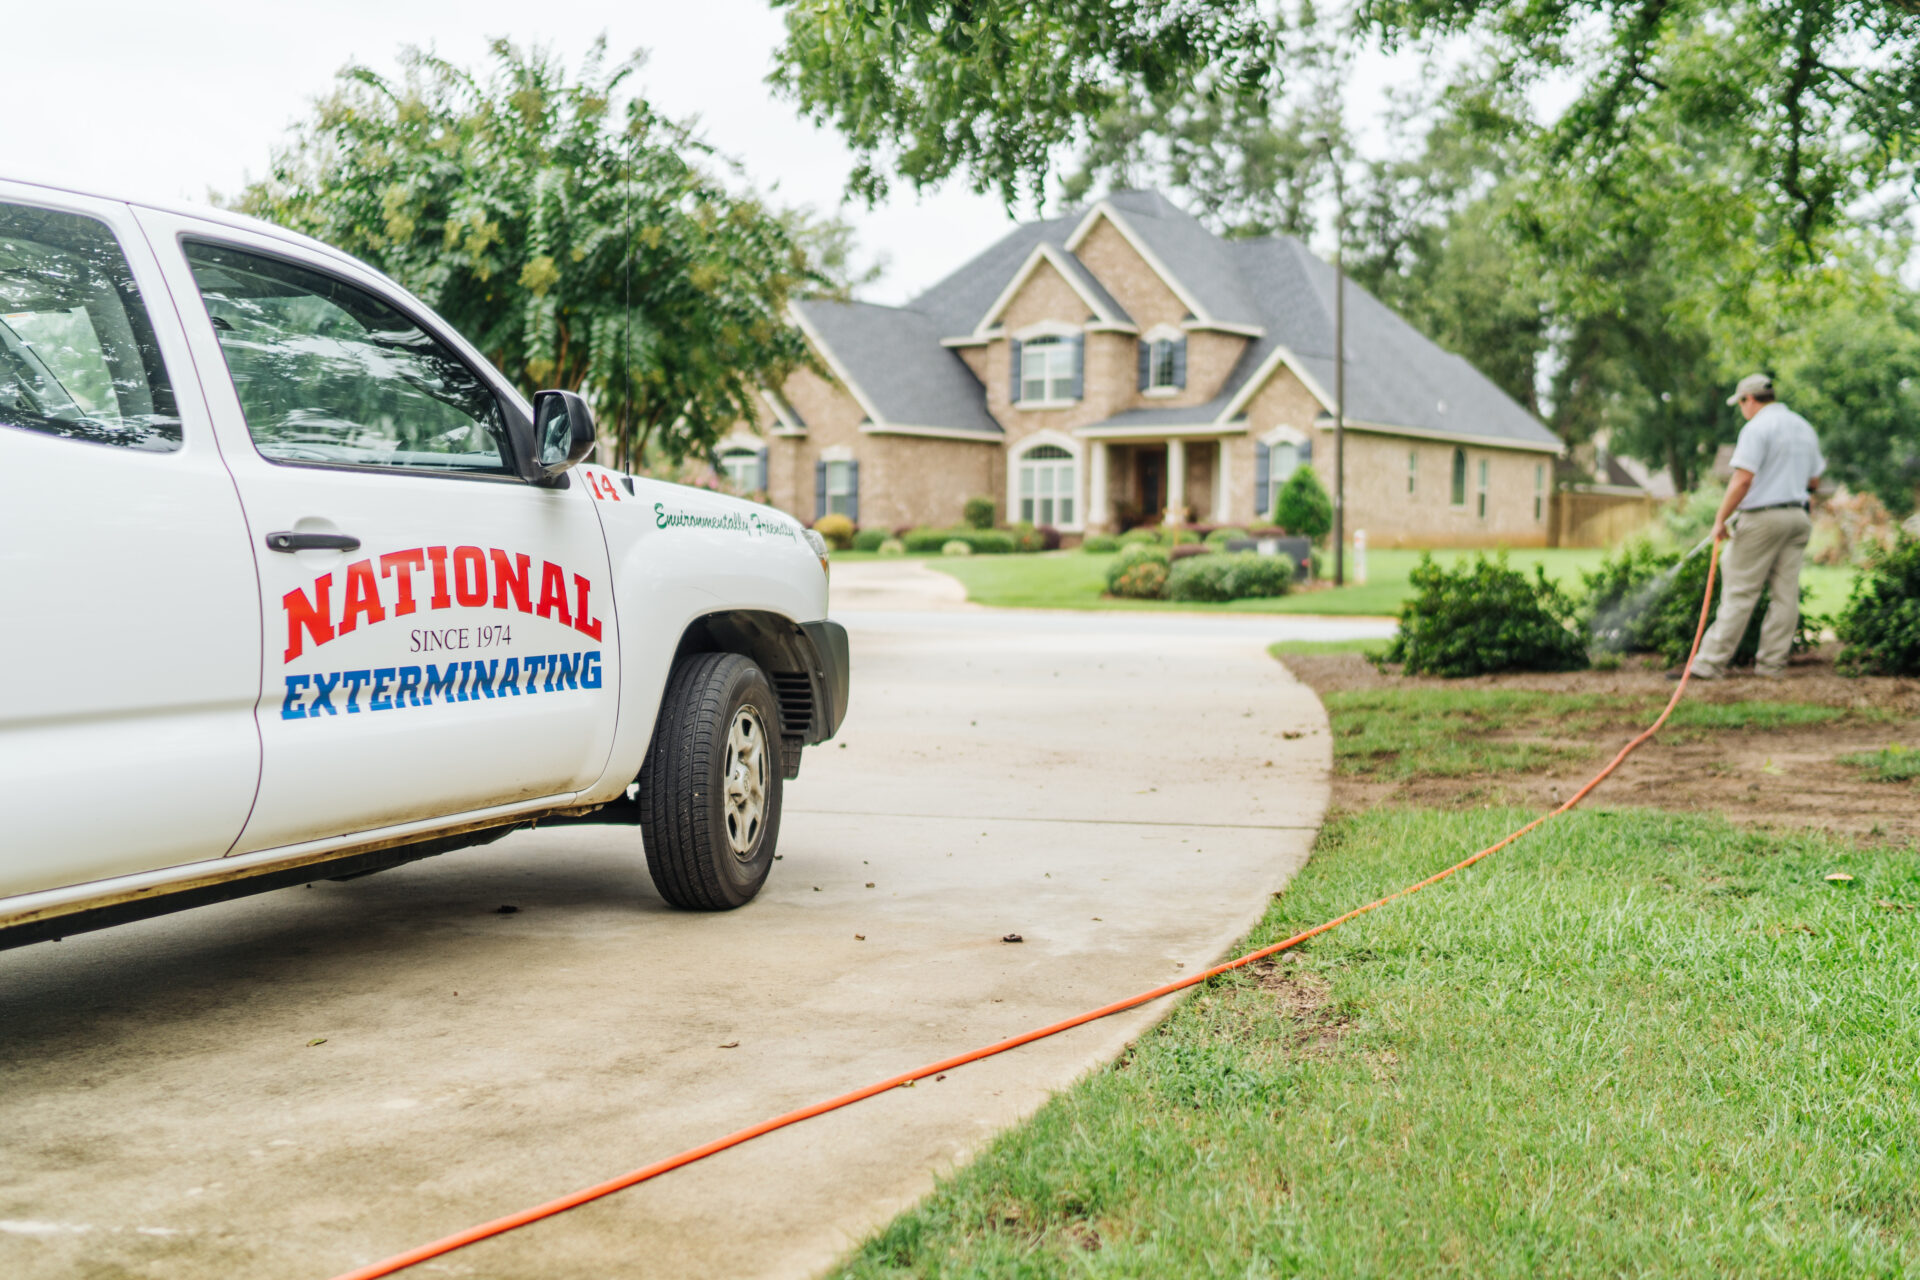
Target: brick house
(1125,365)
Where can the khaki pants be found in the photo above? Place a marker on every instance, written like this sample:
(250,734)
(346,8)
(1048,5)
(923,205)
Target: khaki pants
(1764,552)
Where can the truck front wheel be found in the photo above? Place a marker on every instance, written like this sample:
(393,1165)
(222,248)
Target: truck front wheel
(710,787)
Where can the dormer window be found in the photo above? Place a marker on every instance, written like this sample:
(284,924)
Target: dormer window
(1047,370)
(1163,362)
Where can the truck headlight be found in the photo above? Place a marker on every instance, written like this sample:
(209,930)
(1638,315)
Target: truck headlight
(819,545)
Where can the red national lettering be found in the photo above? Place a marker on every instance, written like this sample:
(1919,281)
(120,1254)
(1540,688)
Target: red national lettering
(553,594)
(510,578)
(470,577)
(583,620)
(440,598)
(405,562)
(309,617)
(363,597)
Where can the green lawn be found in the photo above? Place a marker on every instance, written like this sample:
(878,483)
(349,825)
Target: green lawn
(1075,580)
(1638,1044)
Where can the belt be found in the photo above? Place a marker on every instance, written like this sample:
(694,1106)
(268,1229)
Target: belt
(1775,506)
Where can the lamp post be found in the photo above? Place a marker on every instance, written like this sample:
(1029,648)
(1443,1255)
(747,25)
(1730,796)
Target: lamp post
(1339,363)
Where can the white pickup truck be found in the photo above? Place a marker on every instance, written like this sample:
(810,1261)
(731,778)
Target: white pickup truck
(294,585)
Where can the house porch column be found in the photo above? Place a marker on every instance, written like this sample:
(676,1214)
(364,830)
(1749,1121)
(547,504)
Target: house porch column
(1222,485)
(1099,510)
(1176,481)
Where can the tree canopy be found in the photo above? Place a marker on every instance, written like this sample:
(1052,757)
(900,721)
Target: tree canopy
(580,244)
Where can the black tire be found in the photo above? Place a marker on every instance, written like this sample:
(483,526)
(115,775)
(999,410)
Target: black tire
(692,850)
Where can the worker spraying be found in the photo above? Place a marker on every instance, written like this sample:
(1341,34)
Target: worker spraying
(1776,469)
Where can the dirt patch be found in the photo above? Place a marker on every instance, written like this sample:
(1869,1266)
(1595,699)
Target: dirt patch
(1787,777)
(1302,998)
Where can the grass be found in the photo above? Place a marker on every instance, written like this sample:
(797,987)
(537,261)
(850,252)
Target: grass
(1075,580)
(1893,764)
(1321,648)
(1638,1043)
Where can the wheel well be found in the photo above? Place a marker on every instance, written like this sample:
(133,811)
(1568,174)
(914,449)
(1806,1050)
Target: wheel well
(783,651)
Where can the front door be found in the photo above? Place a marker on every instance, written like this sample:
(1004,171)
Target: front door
(439,634)
(129,615)
(1153,484)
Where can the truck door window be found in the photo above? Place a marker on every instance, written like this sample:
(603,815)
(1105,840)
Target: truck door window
(329,374)
(77,352)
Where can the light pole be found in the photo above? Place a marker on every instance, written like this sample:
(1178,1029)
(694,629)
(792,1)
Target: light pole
(1339,365)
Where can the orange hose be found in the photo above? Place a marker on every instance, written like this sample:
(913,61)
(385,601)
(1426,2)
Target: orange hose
(498,1226)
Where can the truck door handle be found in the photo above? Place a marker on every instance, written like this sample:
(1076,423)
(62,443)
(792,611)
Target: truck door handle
(290,541)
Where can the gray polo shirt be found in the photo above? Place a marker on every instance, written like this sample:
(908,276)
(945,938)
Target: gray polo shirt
(1779,447)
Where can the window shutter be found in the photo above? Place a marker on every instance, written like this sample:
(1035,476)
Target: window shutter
(819,488)
(1180,363)
(1146,365)
(1262,477)
(761,475)
(1079,343)
(853,491)
(1014,348)
(1306,451)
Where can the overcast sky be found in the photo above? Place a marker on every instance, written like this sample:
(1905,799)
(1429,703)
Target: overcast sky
(176,98)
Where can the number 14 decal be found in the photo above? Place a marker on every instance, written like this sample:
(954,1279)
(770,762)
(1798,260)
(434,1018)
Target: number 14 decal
(603,486)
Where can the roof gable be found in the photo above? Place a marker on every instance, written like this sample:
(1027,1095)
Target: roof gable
(1107,312)
(1190,260)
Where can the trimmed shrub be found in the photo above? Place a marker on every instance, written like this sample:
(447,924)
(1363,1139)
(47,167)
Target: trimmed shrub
(837,530)
(1221,536)
(1483,616)
(956,547)
(1138,536)
(869,539)
(1303,507)
(1188,550)
(1229,576)
(1880,625)
(1027,538)
(1138,572)
(1646,601)
(892,547)
(1100,544)
(978,513)
(986,542)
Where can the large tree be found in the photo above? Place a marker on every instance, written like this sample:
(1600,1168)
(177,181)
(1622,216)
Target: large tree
(579,242)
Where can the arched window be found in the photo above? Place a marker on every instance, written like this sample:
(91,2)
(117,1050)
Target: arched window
(740,464)
(1047,485)
(1459,495)
(1049,369)
(1283,459)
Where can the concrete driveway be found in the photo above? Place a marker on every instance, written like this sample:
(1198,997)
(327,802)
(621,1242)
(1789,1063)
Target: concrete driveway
(298,1083)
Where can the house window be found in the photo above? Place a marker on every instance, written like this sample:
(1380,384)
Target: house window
(1539,492)
(1283,460)
(840,489)
(741,467)
(1459,495)
(1413,470)
(1046,369)
(1047,485)
(1481,494)
(1163,373)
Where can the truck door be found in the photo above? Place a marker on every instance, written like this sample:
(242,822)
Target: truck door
(439,634)
(129,612)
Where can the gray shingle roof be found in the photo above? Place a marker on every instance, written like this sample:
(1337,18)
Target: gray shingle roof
(958,303)
(894,356)
(1202,262)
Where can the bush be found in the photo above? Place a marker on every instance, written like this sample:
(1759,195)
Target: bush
(1139,536)
(837,530)
(1189,550)
(869,539)
(1221,536)
(1049,538)
(986,542)
(1880,625)
(1139,572)
(1483,616)
(1647,601)
(1229,576)
(892,547)
(1303,507)
(1100,544)
(978,513)
(956,547)
(1028,539)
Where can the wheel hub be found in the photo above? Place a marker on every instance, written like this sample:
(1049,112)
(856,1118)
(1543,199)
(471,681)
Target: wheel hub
(745,781)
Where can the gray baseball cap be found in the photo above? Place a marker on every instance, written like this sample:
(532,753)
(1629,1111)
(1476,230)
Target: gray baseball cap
(1752,384)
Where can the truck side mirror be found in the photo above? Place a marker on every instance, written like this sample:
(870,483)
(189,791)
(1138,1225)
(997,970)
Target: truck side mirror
(563,431)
